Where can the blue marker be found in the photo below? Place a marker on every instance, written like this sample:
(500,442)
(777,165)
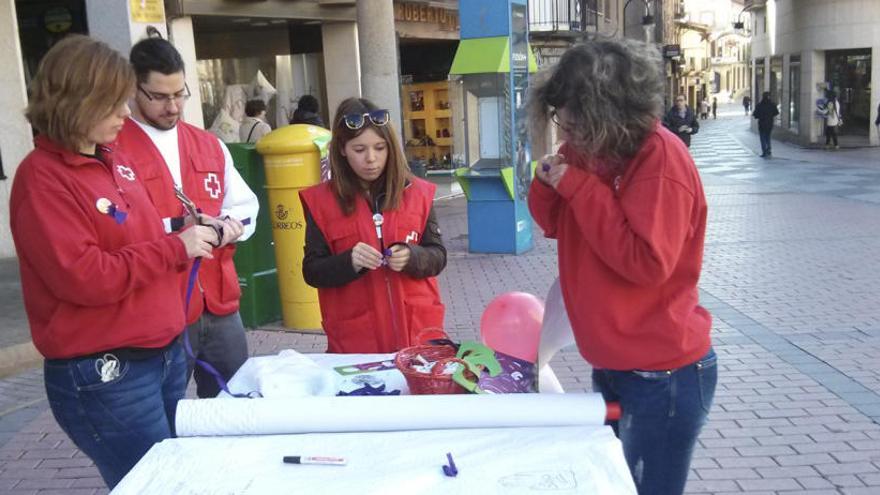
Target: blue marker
(450,470)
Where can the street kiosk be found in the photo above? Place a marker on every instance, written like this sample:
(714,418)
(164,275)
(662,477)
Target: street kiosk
(492,66)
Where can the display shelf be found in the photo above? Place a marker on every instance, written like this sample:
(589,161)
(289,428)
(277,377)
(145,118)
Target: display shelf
(427,116)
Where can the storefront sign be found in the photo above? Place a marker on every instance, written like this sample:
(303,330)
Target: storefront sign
(445,20)
(671,51)
(147,11)
(57,20)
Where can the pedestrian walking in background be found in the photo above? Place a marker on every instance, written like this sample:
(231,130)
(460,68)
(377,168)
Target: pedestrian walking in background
(624,201)
(681,120)
(877,120)
(704,109)
(171,154)
(714,108)
(373,246)
(747,104)
(765,112)
(831,113)
(99,275)
(254,125)
(307,112)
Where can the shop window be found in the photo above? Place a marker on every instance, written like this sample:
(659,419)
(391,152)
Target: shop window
(417,101)
(441,99)
(427,118)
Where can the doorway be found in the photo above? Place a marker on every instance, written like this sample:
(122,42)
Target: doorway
(848,73)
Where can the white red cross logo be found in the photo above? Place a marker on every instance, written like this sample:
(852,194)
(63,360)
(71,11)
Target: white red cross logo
(125,172)
(212,185)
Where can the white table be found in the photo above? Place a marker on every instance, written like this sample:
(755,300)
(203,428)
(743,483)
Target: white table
(557,460)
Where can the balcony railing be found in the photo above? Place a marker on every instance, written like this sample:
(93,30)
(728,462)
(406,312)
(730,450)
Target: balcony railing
(557,16)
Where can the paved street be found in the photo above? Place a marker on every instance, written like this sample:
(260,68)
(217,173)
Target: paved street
(789,275)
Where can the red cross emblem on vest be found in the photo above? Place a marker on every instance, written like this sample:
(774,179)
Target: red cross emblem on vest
(212,185)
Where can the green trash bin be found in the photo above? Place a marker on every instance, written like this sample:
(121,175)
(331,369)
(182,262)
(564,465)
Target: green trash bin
(255,257)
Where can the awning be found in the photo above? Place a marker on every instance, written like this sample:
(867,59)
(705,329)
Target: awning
(486,56)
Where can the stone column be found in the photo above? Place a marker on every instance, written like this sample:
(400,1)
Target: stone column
(341,63)
(181,34)
(15,133)
(378,52)
(874,138)
(812,73)
(785,93)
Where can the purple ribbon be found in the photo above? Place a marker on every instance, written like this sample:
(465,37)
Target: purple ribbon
(190,284)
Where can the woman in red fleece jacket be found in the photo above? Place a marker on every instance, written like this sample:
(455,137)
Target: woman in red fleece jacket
(623,198)
(100,278)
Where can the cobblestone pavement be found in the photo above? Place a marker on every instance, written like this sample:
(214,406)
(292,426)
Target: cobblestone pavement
(787,276)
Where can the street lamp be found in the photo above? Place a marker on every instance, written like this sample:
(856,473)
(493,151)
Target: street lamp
(738,24)
(647,19)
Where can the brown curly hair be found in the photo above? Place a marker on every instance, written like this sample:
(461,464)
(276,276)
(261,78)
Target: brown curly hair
(612,91)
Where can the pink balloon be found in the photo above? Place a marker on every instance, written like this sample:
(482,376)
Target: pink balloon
(511,324)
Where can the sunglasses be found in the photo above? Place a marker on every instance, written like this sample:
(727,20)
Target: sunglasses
(355,121)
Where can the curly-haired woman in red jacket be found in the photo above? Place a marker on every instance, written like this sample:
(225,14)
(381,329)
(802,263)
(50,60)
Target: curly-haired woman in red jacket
(624,200)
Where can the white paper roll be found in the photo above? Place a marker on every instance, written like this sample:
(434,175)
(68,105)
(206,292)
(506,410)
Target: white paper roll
(221,417)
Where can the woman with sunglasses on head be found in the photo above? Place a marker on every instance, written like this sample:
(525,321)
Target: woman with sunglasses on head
(99,275)
(373,246)
(624,201)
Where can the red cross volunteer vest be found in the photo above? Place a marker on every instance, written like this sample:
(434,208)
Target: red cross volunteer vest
(381,311)
(202,171)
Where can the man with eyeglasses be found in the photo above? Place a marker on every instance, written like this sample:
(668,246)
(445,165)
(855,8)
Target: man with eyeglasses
(681,120)
(168,154)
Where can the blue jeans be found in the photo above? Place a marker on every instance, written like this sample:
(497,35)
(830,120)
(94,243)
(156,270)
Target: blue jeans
(663,413)
(764,135)
(115,423)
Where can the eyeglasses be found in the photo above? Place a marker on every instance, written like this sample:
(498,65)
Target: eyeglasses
(355,121)
(178,98)
(554,117)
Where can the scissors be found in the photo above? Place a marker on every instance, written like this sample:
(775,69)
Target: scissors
(192,210)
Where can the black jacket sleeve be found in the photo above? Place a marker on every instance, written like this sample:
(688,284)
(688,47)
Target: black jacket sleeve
(321,268)
(666,121)
(428,258)
(694,124)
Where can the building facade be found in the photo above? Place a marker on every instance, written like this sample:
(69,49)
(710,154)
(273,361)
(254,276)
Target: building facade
(331,49)
(715,55)
(802,49)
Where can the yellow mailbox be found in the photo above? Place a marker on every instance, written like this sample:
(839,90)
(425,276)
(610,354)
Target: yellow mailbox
(292,157)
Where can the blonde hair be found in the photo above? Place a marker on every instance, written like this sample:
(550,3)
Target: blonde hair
(346,184)
(79,82)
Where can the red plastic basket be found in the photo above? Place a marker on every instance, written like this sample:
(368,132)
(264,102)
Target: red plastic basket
(428,383)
